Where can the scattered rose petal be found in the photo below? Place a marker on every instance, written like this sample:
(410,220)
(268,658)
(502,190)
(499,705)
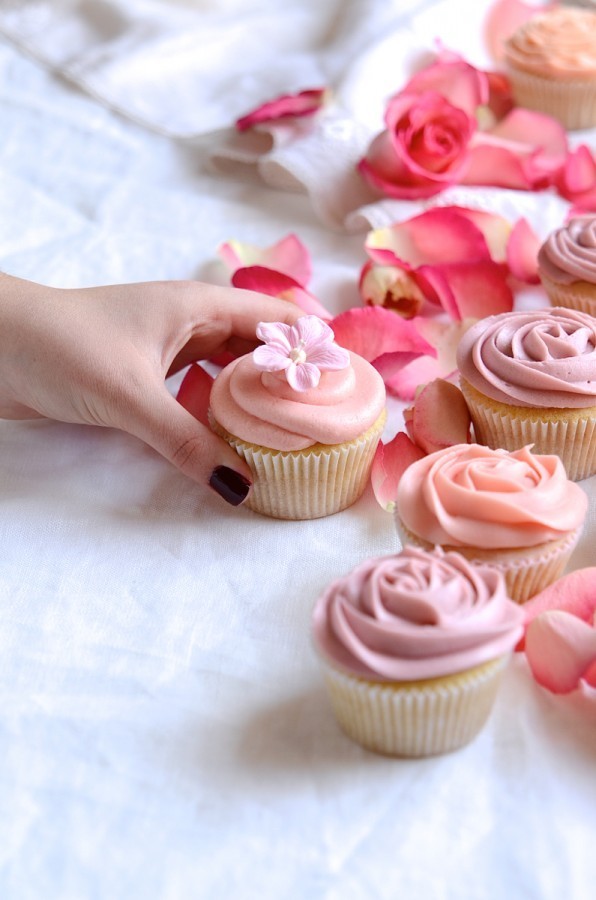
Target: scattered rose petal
(574,593)
(194,392)
(391,287)
(373,331)
(576,181)
(286,106)
(390,462)
(559,649)
(522,252)
(467,289)
(439,417)
(455,79)
(288,255)
(277,284)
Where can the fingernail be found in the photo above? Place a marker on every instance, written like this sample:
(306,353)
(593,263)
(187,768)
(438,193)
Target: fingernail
(230,485)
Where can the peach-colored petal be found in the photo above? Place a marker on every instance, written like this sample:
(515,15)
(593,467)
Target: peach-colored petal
(560,648)
(194,391)
(439,417)
(277,284)
(287,106)
(522,252)
(373,331)
(288,255)
(390,462)
(503,18)
(467,289)
(495,230)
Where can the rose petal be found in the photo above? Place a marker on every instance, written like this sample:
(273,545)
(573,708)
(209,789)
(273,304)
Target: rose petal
(194,392)
(495,230)
(277,284)
(390,462)
(574,593)
(391,287)
(288,255)
(372,331)
(465,290)
(560,648)
(455,79)
(303,103)
(522,252)
(444,338)
(388,365)
(440,417)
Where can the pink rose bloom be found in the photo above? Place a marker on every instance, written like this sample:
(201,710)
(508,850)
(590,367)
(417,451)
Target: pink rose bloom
(424,148)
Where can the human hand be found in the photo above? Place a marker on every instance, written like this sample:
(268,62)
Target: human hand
(100,356)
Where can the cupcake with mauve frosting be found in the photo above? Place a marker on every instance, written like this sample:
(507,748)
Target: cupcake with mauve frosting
(530,378)
(567,265)
(551,64)
(515,511)
(305,414)
(413,646)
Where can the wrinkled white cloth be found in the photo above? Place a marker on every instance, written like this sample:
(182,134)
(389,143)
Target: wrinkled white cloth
(164,730)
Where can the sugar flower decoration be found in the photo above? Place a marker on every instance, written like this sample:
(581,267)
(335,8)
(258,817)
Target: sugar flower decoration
(302,351)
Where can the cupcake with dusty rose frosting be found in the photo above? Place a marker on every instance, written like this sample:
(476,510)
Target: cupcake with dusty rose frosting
(551,64)
(567,264)
(413,646)
(530,378)
(305,414)
(515,511)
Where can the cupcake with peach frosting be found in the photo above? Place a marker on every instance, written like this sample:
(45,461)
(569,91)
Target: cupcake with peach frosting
(412,646)
(515,511)
(567,265)
(551,63)
(305,414)
(530,378)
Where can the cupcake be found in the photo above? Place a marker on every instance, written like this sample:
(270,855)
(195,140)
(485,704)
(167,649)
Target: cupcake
(514,511)
(412,647)
(551,64)
(305,414)
(530,378)
(567,265)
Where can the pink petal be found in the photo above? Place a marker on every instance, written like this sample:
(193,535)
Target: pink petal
(313,331)
(277,333)
(503,18)
(288,255)
(391,287)
(455,79)
(560,648)
(269,358)
(440,417)
(439,235)
(465,290)
(574,593)
(304,103)
(495,229)
(277,284)
(388,365)
(444,338)
(390,462)
(194,392)
(577,179)
(372,331)
(302,377)
(522,252)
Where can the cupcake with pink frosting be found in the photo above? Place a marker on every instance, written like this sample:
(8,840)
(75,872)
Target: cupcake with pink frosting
(551,63)
(515,511)
(567,265)
(530,378)
(305,414)
(413,646)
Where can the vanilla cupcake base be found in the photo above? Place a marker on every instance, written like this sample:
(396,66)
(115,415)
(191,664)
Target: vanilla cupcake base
(579,295)
(307,484)
(527,570)
(568,433)
(418,718)
(573,103)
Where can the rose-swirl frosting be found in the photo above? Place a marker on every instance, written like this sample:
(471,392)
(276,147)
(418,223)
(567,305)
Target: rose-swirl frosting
(261,407)
(470,495)
(540,358)
(559,43)
(414,615)
(569,253)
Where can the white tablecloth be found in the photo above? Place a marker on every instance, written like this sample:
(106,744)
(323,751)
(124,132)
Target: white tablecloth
(164,731)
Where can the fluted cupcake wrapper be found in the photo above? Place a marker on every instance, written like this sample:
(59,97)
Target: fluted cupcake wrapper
(571,296)
(573,103)
(307,484)
(527,571)
(570,434)
(414,719)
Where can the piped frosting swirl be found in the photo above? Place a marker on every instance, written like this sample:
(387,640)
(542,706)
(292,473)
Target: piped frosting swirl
(569,253)
(414,615)
(558,43)
(539,358)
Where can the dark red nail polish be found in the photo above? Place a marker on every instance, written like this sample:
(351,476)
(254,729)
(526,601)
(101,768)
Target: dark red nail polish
(230,485)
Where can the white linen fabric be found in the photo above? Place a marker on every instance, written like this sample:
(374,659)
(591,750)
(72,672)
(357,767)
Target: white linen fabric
(164,731)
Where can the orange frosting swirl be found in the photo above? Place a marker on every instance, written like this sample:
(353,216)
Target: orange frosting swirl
(415,614)
(559,43)
(470,495)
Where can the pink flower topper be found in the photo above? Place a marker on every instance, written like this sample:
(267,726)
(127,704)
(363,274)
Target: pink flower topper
(302,351)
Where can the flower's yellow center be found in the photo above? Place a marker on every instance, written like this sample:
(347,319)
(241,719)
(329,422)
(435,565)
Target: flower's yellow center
(297,354)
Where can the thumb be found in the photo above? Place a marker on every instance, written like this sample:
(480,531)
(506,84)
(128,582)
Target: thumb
(192,447)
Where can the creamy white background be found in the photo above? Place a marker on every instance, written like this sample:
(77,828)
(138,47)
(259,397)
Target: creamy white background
(164,732)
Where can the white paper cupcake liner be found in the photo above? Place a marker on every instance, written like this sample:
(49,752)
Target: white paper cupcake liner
(572,436)
(527,570)
(565,295)
(573,103)
(308,484)
(421,719)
